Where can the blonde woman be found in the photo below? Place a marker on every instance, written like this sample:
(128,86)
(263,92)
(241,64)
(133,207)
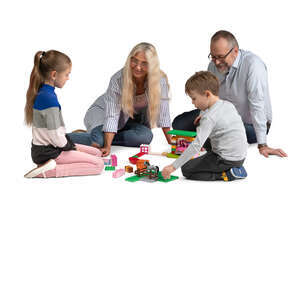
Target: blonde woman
(136,101)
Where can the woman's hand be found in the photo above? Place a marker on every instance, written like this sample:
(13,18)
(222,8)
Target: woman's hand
(108,138)
(166,172)
(105,151)
(168,136)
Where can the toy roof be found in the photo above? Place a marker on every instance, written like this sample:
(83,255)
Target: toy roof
(183,133)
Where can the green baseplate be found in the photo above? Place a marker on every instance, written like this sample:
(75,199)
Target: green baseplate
(160,178)
(171,155)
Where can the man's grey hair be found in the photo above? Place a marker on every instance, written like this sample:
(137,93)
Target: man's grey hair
(228,36)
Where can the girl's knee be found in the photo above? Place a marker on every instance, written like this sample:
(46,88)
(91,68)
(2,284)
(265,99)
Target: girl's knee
(99,165)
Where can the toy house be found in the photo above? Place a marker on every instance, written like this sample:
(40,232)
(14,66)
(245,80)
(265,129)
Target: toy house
(181,139)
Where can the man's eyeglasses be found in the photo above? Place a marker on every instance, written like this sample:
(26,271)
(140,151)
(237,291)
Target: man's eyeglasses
(220,57)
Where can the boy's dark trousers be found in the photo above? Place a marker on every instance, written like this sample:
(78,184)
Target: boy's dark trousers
(208,167)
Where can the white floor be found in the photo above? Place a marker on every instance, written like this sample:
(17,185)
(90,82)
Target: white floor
(102,238)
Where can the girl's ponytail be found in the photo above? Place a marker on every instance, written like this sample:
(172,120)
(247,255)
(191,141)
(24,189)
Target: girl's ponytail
(36,80)
(44,63)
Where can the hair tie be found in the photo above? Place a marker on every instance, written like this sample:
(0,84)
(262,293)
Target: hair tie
(42,55)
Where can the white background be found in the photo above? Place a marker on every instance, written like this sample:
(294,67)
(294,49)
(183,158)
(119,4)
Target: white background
(102,238)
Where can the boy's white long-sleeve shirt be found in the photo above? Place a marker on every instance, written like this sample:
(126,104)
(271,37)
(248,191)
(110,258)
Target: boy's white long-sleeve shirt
(222,124)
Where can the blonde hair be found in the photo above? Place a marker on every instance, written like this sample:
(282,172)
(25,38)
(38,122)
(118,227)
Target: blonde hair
(202,81)
(153,77)
(44,63)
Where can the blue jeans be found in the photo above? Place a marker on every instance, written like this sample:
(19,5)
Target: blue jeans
(185,122)
(132,135)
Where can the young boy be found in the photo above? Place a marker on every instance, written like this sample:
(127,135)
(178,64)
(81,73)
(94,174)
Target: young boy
(220,122)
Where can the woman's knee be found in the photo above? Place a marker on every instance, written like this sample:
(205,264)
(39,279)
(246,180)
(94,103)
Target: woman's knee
(143,137)
(82,138)
(97,136)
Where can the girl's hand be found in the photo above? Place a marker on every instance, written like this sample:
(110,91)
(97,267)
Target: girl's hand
(166,172)
(105,151)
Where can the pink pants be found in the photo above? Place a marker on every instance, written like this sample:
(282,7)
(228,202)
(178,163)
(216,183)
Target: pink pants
(85,161)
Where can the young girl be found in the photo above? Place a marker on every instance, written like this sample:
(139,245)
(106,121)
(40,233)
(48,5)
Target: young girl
(54,153)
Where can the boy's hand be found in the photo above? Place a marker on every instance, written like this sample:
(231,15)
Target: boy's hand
(166,172)
(197,120)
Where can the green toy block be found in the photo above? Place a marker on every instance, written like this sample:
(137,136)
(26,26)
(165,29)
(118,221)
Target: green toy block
(183,133)
(133,178)
(110,168)
(161,179)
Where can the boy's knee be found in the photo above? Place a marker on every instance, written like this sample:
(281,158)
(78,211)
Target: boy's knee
(185,171)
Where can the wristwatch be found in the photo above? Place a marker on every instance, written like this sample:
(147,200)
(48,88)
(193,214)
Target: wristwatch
(259,146)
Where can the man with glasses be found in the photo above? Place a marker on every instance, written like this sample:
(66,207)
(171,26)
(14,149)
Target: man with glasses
(243,82)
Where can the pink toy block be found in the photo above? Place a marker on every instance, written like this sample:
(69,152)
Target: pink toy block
(118,173)
(114,160)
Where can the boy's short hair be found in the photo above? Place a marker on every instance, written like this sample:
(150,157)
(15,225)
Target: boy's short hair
(201,82)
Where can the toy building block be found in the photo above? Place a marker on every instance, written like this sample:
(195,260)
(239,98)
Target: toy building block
(128,169)
(181,139)
(144,148)
(133,178)
(133,159)
(107,161)
(183,133)
(142,164)
(161,179)
(118,173)
(136,178)
(110,168)
(144,169)
(114,160)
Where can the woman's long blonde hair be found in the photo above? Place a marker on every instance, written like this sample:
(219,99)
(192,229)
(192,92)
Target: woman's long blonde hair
(153,77)
(44,63)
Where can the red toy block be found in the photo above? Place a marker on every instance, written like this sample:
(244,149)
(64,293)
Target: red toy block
(133,159)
